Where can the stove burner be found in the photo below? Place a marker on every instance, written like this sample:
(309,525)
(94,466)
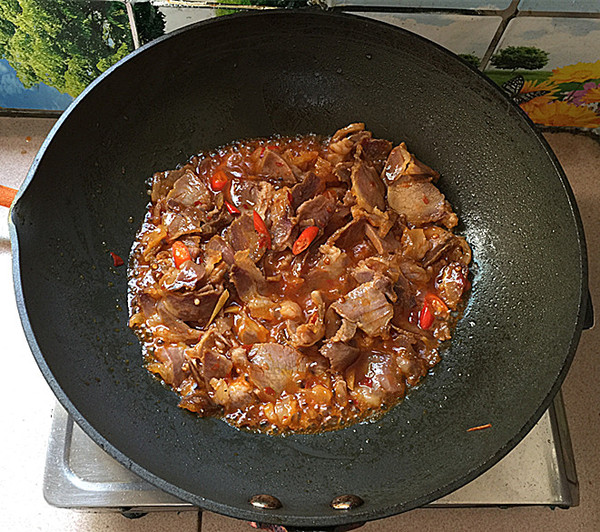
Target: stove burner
(539,471)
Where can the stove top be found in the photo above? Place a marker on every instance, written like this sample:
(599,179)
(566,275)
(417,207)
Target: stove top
(539,471)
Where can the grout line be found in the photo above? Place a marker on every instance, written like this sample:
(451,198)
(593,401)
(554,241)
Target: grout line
(132,24)
(509,13)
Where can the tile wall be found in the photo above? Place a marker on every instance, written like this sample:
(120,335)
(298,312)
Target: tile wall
(546,53)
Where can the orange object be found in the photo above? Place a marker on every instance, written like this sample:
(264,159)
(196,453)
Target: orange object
(480,427)
(218,180)
(426,316)
(117,261)
(180,253)
(305,239)
(261,229)
(231,209)
(7,195)
(439,307)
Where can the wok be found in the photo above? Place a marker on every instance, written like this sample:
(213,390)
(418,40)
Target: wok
(297,72)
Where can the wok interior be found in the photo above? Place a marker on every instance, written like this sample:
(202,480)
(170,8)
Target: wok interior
(239,78)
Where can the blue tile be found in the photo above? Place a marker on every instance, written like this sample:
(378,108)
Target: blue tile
(460,34)
(577,6)
(440,4)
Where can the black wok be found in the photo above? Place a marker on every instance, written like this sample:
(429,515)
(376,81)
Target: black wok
(296,72)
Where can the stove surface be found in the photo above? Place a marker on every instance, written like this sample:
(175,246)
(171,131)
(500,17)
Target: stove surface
(539,471)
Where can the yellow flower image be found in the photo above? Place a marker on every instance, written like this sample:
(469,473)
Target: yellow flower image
(534,86)
(564,114)
(577,73)
(591,96)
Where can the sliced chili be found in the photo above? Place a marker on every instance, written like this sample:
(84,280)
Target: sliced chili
(480,427)
(426,316)
(231,209)
(180,253)
(305,239)
(117,261)
(438,306)
(261,229)
(218,180)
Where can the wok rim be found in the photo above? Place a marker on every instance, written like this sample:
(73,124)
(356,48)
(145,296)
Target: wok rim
(357,515)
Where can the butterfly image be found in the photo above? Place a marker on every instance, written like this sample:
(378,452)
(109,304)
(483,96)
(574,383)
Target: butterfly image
(513,88)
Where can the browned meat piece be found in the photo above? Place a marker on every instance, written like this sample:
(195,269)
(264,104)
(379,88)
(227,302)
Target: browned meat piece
(386,375)
(189,221)
(346,331)
(173,358)
(276,366)
(308,188)
(215,365)
(343,171)
(232,396)
(280,216)
(251,194)
(177,330)
(385,245)
(216,221)
(189,276)
(271,165)
(367,187)
(348,236)
(162,182)
(451,283)
(249,331)
(375,152)
(403,166)
(316,211)
(193,306)
(340,355)
(446,246)
(366,306)
(344,141)
(421,203)
(415,245)
(147,304)
(219,245)
(247,277)
(313,330)
(190,191)
(242,236)
(331,267)
(344,132)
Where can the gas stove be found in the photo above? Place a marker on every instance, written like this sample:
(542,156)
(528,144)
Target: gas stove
(539,471)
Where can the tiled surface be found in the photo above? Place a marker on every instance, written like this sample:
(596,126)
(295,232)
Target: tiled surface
(429,4)
(458,33)
(587,6)
(26,413)
(567,40)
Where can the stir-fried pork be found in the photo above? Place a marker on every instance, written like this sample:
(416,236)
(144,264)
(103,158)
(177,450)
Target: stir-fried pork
(297,284)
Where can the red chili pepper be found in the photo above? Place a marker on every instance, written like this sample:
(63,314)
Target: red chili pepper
(270,391)
(218,180)
(366,381)
(117,261)
(261,229)
(180,253)
(436,303)
(480,427)
(231,209)
(305,239)
(426,316)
